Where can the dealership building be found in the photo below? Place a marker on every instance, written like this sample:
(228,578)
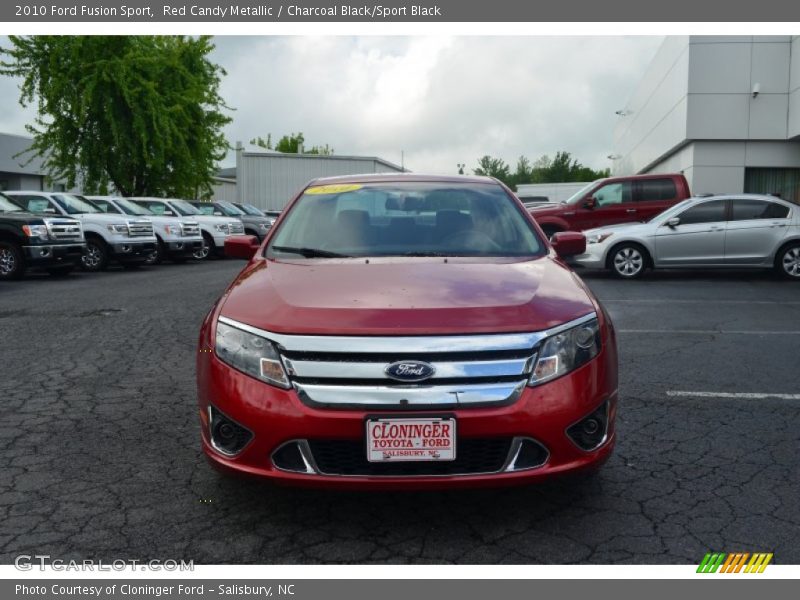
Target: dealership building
(722,110)
(269,179)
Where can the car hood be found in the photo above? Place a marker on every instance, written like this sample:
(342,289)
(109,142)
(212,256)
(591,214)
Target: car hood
(211,219)
(550,208)
(107,217)
(394,296)
(621,229)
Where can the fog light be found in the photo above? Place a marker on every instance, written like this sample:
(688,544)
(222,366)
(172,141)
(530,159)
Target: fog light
(591,432)
(227,436)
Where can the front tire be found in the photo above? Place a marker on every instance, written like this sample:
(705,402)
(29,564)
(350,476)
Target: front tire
(12,262)
(157,257)
(787,262)
(628,261)
(206,250)
(96,257)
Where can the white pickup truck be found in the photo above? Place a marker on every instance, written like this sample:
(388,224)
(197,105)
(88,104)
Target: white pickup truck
(129,240)
(213,229)
(177,238)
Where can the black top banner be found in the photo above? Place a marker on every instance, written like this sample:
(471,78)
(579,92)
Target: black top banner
(399,11)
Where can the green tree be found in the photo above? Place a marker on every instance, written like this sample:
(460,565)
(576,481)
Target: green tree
(493,167)
(291,144)
(140,113)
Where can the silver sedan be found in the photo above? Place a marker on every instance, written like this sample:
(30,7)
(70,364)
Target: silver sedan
(737,231)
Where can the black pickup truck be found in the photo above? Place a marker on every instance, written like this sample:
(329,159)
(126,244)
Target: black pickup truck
(34,241)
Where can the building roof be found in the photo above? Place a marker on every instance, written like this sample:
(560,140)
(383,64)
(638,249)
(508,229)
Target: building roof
(322,157)
(394,177)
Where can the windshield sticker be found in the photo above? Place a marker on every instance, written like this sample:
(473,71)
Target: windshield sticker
(334,189)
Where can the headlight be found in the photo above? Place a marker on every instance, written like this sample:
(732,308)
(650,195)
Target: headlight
(172,229)
(221,227)
(251,354)
(118,228)
(262,226)
(566,351)
(36,231)
(598,238)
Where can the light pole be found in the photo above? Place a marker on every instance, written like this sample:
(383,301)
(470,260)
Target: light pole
(461,168)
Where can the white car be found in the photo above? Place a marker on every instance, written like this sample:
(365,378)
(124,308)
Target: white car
(129,240)
(177,238)
(213,229)
(735,231)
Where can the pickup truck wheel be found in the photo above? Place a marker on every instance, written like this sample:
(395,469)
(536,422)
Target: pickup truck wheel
(628,261)
(96,256)
(550,230)
(62,271)
(157,257)
(205,251)
(787,261)
(12,263)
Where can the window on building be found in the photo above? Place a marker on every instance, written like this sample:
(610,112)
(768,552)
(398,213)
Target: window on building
(656,189)
(784,183)
(747,210)
(707,212)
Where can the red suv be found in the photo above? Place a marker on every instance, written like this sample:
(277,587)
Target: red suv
(614,200)
(399,331)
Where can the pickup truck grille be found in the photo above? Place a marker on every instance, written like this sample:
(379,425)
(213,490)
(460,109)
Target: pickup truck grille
(236,227)
(140,228)
(346,372)
(190,229)
(64,231)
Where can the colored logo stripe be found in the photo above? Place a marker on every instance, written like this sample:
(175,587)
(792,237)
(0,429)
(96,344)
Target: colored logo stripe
(734,562)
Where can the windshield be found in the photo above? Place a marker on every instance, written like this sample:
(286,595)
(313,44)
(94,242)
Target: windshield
(205,209)
(6,205)
(581,193)
(185,209)
(229,209)
(131,208)
(73,205)
(251,210)
(405,219)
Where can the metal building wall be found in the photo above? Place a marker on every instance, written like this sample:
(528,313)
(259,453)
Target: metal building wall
(269,180)
(224,190)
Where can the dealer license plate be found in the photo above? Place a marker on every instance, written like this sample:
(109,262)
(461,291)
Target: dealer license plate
(395,440)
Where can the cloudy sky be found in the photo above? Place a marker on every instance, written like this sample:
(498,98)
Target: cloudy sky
(439,100)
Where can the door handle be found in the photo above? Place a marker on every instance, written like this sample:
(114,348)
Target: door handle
(569,214)
(631,210)
(779,224)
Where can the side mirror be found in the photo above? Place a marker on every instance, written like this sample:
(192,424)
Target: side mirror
(673,222)
(590,202)
(241,246)
(568,243)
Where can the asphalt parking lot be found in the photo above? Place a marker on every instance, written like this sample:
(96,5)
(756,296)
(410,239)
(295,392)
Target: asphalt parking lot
(100,454)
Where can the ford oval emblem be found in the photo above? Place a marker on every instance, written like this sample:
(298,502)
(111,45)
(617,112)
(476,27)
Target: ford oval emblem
(410,370)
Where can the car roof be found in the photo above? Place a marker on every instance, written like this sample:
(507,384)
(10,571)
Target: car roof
(763,197)
(398,177)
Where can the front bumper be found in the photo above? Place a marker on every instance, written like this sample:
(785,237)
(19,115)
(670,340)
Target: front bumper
(276,416)
(133,251)
(50,255)
(593,258)
(184,247)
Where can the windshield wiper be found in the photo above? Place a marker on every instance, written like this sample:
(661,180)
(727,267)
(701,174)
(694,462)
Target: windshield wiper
(310,252)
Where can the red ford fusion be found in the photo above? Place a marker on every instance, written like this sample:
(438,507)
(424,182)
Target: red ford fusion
(407,331)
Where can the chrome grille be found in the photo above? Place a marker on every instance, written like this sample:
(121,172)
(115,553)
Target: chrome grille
(65,230)
(350,371)
(190,229)
(236,227)
(140,228)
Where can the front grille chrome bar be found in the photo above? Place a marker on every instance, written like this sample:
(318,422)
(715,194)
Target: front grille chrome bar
(411,396)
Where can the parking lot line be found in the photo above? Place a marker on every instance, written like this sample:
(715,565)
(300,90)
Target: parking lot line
(708,332)
(737,395)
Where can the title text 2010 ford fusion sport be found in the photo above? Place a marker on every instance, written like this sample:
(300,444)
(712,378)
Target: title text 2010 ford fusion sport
(405,331)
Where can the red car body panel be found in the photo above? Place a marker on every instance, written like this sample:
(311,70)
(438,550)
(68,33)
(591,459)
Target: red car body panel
(406,296)
(636,208)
